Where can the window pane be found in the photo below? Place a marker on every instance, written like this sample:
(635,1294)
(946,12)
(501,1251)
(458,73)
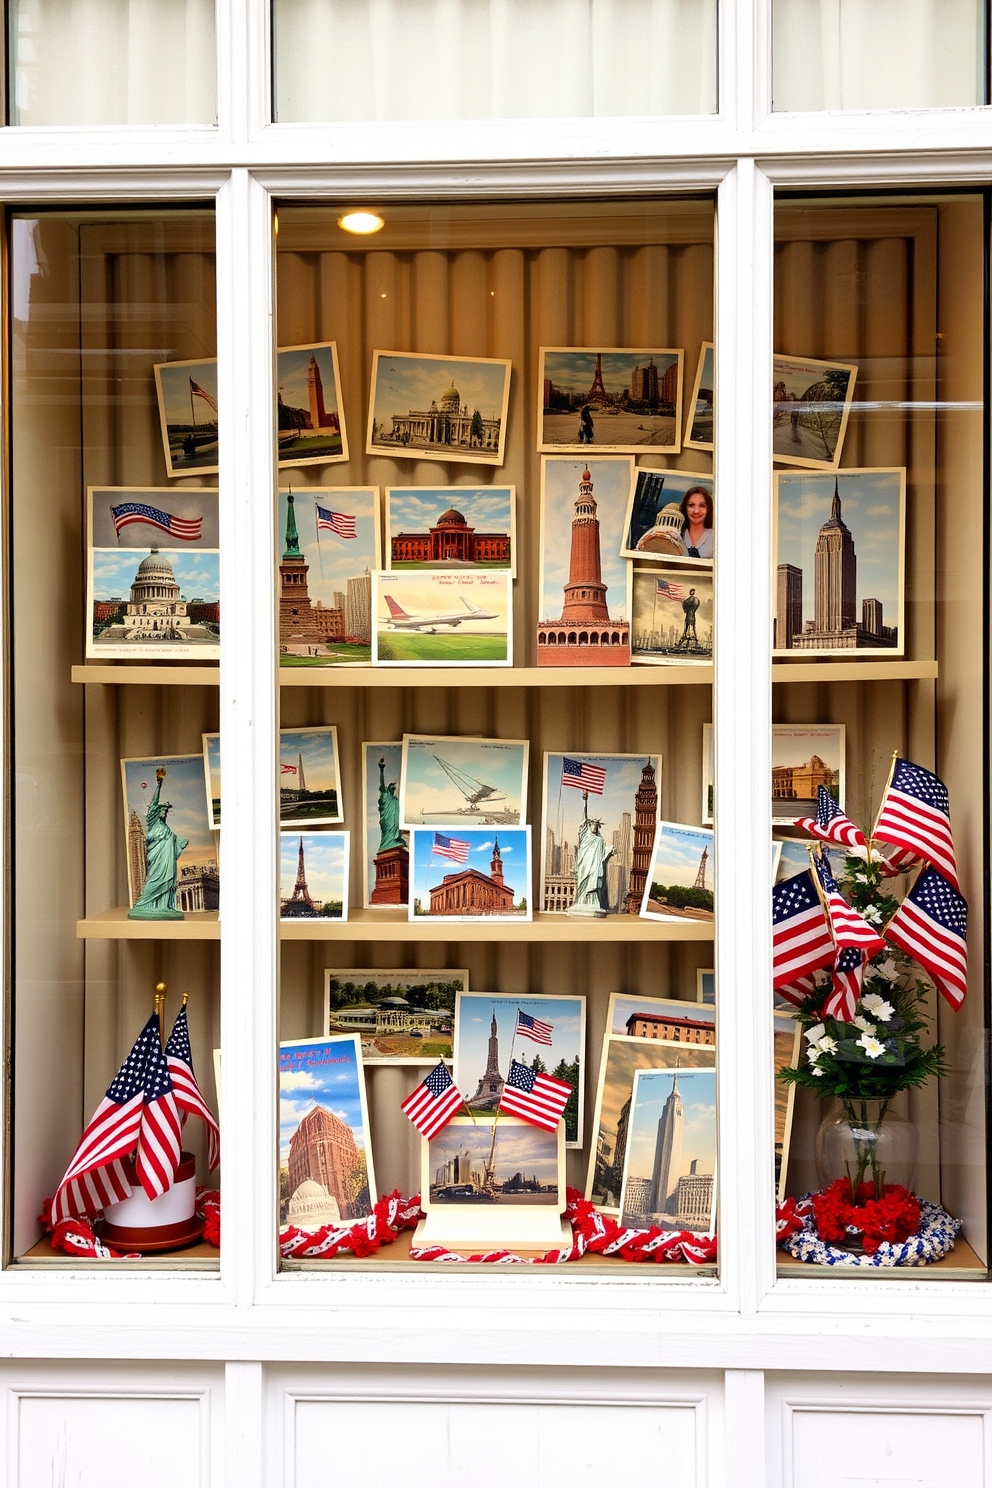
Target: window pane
(112,62)
(471,59)
(877,54)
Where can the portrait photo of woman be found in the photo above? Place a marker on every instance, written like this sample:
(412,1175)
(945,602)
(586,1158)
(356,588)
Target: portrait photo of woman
(670,517)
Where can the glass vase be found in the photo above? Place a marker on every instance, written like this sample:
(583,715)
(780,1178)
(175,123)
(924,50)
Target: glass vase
(865,1141)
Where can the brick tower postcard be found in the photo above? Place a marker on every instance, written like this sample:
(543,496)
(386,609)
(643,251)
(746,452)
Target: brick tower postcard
(325,1157)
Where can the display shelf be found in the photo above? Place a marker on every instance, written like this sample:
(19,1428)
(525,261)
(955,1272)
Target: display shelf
(367,924)
(198,1257)
(961,1265)
(148,676)
(854,671)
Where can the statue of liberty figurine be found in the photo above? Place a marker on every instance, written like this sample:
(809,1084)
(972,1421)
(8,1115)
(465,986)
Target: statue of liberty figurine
(389,812)
(591,858)
(163,849)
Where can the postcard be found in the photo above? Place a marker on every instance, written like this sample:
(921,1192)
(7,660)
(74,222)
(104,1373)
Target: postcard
(443,619)
(509,1162)
(169,789)
(618,400)
(309,790)
(313,875)
(187,407)
(401,1017)
(706,985)
(456,782)
(445,407)
(669,1176)
(598,819)
(328,550)
(584,604)
(546,1033)
(811,407)
(670,518)
(794,857)
(325,1155)
(672,1020)
(840,555)
(386,855)
(452,527)
(804,757)
(671,616)
(470,873)
(311,415)
(152,573)
(621,1058)
(700,432)
(680,879)
(788,1047)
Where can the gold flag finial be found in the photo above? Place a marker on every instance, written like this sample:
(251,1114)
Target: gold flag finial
(185,998)
(160,991)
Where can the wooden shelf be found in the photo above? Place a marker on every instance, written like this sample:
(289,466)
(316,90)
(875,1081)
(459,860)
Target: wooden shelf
(198,1257)
(367,924)
(962,1264)
(853,671)
(164,675)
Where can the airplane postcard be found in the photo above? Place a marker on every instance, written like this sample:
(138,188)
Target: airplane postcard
(461,619)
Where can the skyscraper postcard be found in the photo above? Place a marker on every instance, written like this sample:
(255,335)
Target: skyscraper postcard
(804,757)
(167,831)
(511,1164)
(699,434)
(670,518)
(438,407)
(328,550)
(386,857)
(680,879)
(152,573)
(840,563)
(617,400)
(669,1175)
(462,619)
(671,616)
(546,1033)
(621,1058)
(584,605)
(313,875)
(598,818)
(325,1155)
(401,1017)
(455,782)
(309,788)
(450,527)
(467,874)
(187,408)
(311,416)
(811,407)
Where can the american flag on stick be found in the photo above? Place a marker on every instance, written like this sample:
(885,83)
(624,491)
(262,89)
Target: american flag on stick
(450,847)
(434,1102)
(848,974)
(796,992)
(582,775)
(830,823)
(915,815)
(801,939)
(931,925)
(534,1028)
(848,926)
(539,1099)
(185,528)
(179,1056)
(337,522)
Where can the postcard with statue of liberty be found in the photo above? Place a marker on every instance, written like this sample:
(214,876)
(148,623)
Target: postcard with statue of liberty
(163,796)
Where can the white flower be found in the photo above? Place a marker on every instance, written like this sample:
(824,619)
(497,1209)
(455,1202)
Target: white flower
(888,969)
(827,1045)
(862,1023)
(812,1055)
(877,1006)
(871,1046)
(815,1034)
(817,1070)
(873,914)
(861,878)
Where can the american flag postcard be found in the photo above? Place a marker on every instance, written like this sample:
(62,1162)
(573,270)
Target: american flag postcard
(470,874)
(609,803)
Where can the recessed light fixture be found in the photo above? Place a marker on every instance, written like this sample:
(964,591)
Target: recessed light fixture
(361,222)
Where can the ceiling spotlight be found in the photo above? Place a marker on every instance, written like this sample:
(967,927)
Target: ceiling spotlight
(361,222)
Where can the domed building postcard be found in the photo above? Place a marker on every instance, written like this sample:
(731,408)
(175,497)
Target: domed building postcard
(444,407)
(450,527)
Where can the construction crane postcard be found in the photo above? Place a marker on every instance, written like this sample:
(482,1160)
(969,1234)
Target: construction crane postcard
(446,782)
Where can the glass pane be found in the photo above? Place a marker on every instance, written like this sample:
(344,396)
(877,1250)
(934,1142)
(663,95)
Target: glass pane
(112,62)
(128,580)
(495,920)
(878,54)
(472,59)
(881,654)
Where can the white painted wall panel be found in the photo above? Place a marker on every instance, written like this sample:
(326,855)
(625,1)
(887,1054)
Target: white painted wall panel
(887,1449)
(65,1441)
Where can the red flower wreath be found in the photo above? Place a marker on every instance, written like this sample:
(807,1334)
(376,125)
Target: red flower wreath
(892,1217)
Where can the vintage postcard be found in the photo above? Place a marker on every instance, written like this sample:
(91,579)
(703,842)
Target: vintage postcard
(671,616)
(309,778)
(445,407)
(401,1017)
(443,619)
(840,563)
(211,777)
(787,1054)
(584,603)
(680,879)
(458,782)
(811,407)
(670,518)
(706,985)
(313,875)
(167,830)
(794,857)
(325,1153)
(618,401)
(386,855)
(187,410)
(672,1020)
(804,757)
(669,1176)
(598,818)
(699,434)
(470,873)
(546,1033)
(450,527)
(621,1058)
(328,551)
(509,1162)
(311,415)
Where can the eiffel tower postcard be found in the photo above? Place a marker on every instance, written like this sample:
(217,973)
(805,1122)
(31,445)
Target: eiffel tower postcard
(680,880)
(313,875)
(623,401)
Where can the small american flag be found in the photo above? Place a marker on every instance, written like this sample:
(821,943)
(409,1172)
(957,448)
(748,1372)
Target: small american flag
(830,823)
(796,992)
(801,940)
(915,814)
(185,528)
(931,925)
(848,972)
(668,590)
(287,769)
(195,390)
(539,1099)
(582,775)
(449,847)
(179,1056)
(849,928)
(898,862)
(533,1028)
(433,1103)
(337,522)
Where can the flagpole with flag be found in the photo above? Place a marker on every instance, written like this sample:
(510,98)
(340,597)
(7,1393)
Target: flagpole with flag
(881,803)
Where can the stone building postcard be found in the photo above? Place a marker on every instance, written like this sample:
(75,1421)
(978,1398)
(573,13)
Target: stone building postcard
(450,527)
(325,1154)
(401,1016)
(467,874)
(804,757)
(598,818)
(617,400)
(447,408)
